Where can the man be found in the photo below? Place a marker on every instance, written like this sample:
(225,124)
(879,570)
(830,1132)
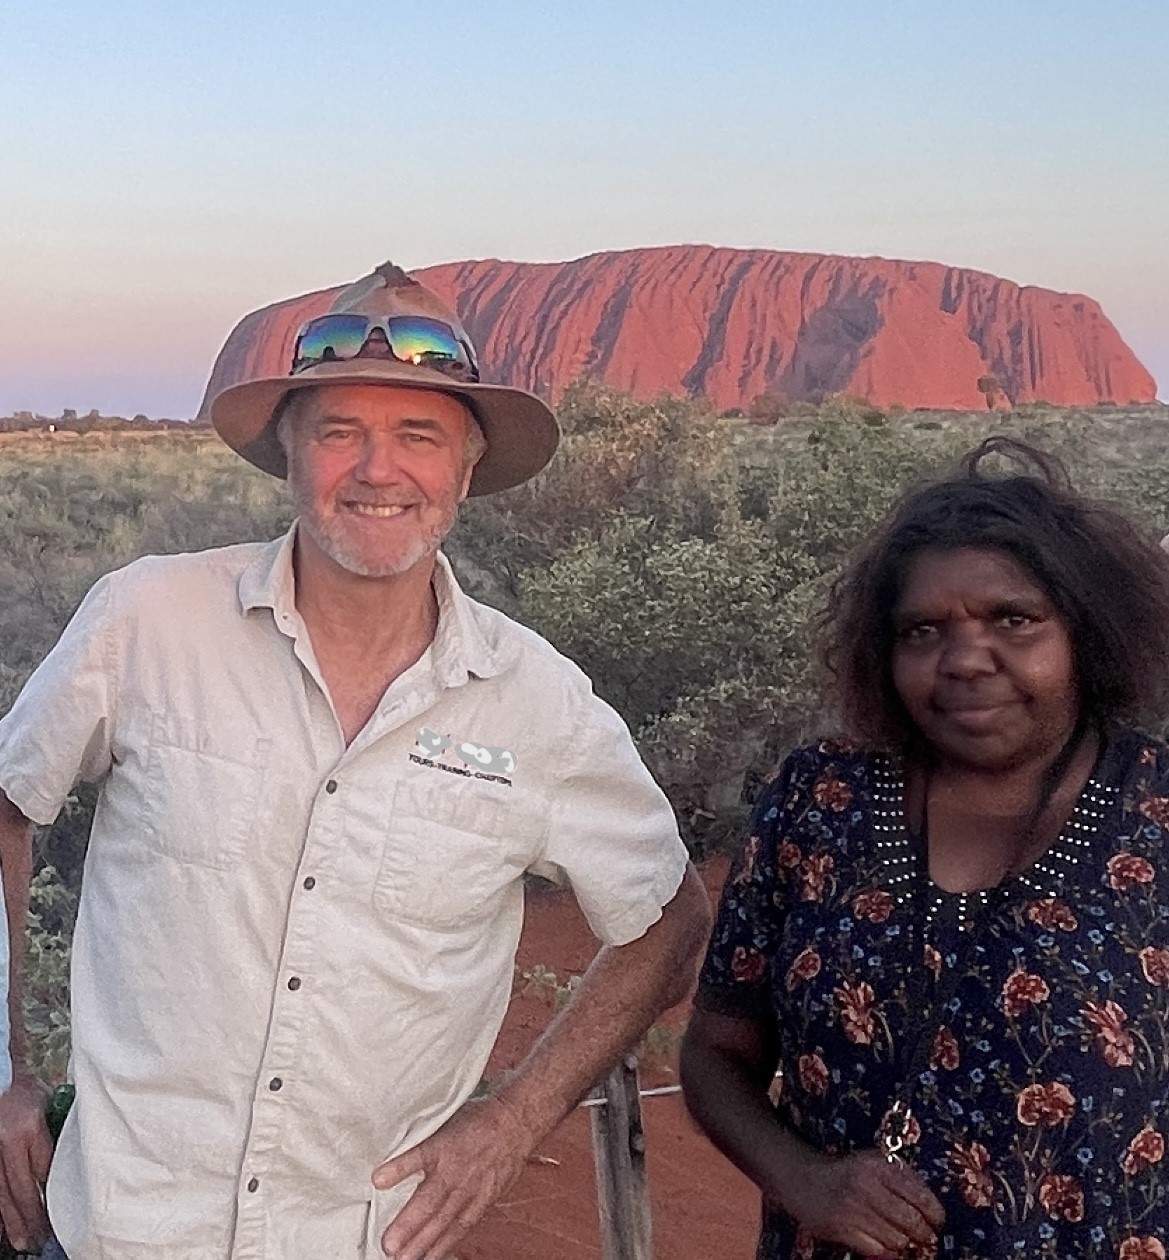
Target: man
(325,772)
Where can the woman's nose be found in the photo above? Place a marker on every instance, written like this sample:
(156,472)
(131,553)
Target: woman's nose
(966,652)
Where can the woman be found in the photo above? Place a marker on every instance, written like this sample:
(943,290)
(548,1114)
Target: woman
(952,936)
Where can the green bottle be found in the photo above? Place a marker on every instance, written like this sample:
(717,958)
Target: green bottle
(57,1108)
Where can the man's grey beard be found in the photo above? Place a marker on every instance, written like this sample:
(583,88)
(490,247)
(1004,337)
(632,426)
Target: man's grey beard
(333,543)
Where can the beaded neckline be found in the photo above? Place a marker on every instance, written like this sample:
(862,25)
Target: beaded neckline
(1044,878)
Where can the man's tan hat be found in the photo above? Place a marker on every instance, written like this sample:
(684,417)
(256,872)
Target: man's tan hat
(521,431)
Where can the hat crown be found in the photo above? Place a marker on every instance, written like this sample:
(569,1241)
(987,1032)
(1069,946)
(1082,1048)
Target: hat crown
(388,290)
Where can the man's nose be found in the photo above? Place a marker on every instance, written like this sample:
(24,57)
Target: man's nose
(379,464)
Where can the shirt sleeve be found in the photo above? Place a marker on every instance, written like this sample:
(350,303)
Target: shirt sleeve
(736,976)
(58,731)
(612,836)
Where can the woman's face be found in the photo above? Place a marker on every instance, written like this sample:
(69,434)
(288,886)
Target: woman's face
(982,660)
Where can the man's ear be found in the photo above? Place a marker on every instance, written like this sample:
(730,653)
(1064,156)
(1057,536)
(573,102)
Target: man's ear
(478,443)
(468,473)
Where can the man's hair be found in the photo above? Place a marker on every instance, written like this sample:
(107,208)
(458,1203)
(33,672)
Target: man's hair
(285,417)
(291,408)
(1107,577)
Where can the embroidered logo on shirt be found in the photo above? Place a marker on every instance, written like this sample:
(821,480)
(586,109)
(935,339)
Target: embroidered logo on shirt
(479,761)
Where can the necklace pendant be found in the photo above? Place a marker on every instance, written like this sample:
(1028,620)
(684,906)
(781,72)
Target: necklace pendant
(894,1131)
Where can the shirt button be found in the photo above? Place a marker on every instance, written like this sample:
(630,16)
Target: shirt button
(331,786)
(253,1185)
(294,983)
(309,883)
(275,1083)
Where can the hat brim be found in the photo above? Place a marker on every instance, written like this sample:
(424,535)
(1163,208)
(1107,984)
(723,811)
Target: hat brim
(521,431)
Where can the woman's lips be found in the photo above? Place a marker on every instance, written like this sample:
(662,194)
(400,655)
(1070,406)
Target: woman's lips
(976,716)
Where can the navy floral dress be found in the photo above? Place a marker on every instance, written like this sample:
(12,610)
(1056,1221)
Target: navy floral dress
(1039,1106)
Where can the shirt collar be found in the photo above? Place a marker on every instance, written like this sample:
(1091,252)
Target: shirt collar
(459,650)
(267,581)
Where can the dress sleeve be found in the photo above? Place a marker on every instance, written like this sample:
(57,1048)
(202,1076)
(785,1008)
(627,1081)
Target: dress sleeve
(735,976)
(59,730)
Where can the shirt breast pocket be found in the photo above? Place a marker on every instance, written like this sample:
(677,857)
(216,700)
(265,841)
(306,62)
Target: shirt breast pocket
(203,794)
(450,856)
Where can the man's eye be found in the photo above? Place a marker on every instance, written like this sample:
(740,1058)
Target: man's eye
(333,436)
(917,633)
(1016,621)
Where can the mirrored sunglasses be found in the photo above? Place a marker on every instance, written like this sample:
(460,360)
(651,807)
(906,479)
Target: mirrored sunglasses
(413,339)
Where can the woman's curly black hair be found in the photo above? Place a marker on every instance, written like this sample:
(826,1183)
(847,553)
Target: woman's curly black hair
(1106,575)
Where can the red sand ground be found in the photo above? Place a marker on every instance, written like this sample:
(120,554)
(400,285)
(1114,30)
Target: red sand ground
(702,1208)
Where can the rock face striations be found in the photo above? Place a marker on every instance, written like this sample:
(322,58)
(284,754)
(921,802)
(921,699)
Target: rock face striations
(732,324)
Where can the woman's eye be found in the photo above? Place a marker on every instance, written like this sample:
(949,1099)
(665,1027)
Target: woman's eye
(917,633)
(1016,621)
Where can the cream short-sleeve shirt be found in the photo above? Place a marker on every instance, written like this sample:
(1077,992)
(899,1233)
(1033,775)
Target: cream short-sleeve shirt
(292,958)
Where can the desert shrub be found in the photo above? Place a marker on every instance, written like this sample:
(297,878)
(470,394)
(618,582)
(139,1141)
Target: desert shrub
(52,909)
(666,461)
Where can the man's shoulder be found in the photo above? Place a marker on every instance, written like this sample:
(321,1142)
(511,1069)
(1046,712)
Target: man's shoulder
(151,578)
(525,654)
(168,599)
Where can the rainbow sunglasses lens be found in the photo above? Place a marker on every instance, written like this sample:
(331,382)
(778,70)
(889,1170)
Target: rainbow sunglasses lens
(413,339)
(330,337)
(417,340)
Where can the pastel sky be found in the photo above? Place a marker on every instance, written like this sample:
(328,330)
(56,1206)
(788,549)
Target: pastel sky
(167,167)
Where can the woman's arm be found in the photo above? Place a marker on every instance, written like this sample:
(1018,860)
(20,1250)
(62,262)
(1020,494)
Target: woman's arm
(731,1049)
(860,1201)
(728,1064)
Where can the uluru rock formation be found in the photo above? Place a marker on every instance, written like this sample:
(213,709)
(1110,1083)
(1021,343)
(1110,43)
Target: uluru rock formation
(731,324)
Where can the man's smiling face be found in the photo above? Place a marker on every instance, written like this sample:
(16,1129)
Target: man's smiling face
(378,472)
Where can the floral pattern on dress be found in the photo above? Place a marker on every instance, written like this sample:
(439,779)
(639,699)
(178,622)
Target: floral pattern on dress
(1042,1107)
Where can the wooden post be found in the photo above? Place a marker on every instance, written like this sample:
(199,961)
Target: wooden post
(619,1156)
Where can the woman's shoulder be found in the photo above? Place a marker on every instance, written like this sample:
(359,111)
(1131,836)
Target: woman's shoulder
(1136,764)
(832,755)
(830,772)
(1137,774)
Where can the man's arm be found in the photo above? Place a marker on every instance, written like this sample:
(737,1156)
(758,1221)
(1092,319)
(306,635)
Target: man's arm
(16,834)
(57,732)
(25,1145)
(480,1151)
